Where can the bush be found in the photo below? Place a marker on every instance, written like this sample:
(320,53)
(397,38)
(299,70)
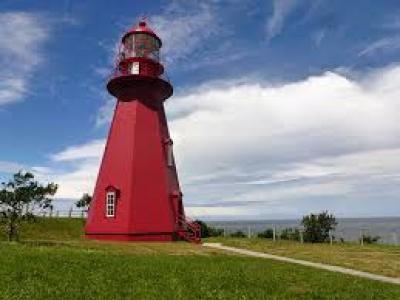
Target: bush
(292,234)
(209,231)
(238,234)
(368,239)
(317,227)
(266,234)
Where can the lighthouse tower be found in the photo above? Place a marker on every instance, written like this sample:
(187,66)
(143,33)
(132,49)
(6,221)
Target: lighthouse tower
(137,195)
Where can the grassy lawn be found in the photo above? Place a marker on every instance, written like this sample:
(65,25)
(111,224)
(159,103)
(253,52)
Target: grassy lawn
(65,229)
(103,271)
(54,261)
(378,259)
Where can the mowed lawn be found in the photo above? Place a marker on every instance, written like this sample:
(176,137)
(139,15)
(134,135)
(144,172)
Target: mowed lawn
(31,271)
(378,259)
(53,261)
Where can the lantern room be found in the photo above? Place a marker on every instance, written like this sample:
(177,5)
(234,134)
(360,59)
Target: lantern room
(138,71)
(139,52)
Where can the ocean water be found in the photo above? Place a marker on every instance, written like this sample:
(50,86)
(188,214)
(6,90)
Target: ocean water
(350,229)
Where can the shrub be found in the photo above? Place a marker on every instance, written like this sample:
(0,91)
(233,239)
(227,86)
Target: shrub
(317,227)
(266,234)
(292,234)
(368,239)
(238,234)
(209,231)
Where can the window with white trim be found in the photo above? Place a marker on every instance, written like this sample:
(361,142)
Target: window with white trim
(135,68)
(110,204)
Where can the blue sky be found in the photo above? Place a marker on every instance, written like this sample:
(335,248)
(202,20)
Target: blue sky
(280,107)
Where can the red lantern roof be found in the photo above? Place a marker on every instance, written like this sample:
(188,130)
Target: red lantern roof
(141,28)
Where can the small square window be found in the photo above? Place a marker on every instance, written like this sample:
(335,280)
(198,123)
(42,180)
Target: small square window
(135,68)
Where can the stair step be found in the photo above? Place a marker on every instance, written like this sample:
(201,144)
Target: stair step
(189,230)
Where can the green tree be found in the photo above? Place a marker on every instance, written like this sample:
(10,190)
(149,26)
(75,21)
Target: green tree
(20,197)
(318,226)
(84,201)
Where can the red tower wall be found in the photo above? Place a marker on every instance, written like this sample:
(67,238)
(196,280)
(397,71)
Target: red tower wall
(135,164)
(138,164)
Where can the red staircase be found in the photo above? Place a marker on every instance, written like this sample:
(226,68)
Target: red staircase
(189,230)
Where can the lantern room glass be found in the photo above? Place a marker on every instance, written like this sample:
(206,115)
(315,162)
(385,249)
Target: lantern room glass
(141,45)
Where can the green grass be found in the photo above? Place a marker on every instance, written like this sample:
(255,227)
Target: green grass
(65,229)
(68,272)
(378,259)
(54,261)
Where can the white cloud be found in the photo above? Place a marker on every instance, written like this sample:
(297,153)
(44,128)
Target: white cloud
(78,181)
(105,113)
(21,37)
(183,27)
(10,167)
(74,169)
(85,151)
(12,89)
(274,135)
(281,10)
(318,36)
(382,45)
(326,142)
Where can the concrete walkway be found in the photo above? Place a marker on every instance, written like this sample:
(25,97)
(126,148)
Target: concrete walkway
(305,263)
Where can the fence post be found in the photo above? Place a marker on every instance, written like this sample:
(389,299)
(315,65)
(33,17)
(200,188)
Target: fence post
(330,237)
(361,237)
(70,213)
(57,213)
(394,238)
(301,237)
(82,214)
(51,212)
(224,231)
(274,233)
(248,232)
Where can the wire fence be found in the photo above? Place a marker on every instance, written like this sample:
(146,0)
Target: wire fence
(362,235)
(387,232)
(69,213)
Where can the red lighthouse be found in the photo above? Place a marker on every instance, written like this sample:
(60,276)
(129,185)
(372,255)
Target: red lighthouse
(137,195)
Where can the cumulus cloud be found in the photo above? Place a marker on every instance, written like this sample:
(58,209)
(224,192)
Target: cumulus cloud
(74,168)
(21,38)
(228,138)
(85,151)
(248,149)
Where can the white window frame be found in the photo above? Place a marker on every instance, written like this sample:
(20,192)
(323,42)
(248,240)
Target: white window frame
(111,200)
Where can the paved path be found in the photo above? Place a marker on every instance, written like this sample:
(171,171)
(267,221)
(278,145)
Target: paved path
(305,263)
